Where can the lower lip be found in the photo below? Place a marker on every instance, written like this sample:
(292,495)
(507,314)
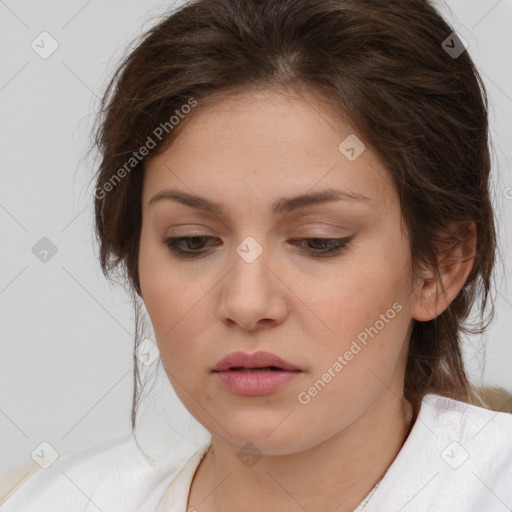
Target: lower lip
(255,383)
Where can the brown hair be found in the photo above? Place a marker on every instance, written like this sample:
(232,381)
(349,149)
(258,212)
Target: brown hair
(384,67)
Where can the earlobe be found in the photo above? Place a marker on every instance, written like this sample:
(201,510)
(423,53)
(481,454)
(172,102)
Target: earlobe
(455,261)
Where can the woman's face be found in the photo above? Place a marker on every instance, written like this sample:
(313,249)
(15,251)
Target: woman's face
(253,282)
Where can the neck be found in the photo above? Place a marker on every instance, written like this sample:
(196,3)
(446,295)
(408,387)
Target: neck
(335,474)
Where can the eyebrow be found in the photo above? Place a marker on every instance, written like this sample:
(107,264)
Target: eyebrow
(279,207)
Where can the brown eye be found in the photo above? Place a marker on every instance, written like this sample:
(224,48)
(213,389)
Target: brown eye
(190,246)
(186,246)
(325,247)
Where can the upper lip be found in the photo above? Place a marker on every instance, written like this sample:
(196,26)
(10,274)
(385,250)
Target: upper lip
(254,360)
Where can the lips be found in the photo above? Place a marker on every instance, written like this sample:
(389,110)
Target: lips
(254,375)
(257,361)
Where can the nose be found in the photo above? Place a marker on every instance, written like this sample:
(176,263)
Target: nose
(253,295)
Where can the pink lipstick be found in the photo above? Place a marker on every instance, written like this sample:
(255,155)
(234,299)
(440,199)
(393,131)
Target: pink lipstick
(256,374)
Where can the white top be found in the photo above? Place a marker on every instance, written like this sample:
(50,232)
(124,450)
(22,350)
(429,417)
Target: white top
(457,458)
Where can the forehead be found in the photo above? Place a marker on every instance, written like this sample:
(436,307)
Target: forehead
(263,142)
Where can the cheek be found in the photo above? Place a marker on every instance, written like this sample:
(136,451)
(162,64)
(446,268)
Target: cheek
(174,306)
(369,318)
(370,302)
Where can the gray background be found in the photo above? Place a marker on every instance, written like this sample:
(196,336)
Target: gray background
(66,349)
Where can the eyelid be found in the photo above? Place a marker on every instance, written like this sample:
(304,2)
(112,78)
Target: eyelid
(338,246)
(197,234)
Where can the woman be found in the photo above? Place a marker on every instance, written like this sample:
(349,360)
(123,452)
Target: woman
(298,193)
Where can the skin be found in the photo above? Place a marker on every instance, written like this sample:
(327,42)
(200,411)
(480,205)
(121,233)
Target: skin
(246,151)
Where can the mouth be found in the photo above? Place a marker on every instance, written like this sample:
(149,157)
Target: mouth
(256,381)
(253,363)
(257,369)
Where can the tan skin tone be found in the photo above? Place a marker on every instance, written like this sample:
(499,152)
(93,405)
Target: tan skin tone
(246,151)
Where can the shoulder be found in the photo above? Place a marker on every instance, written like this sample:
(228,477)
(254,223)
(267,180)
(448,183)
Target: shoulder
(457,457)
(11,480)
(485,432)
(111,475)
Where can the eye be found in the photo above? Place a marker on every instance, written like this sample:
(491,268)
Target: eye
(325,247)
(192,246)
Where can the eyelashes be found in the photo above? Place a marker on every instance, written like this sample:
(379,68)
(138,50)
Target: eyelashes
(186,247)
(174,244)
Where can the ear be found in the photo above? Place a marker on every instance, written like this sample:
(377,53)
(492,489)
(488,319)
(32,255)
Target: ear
(455,261)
